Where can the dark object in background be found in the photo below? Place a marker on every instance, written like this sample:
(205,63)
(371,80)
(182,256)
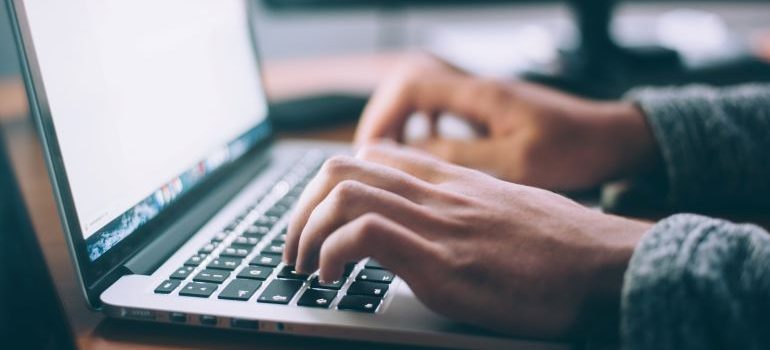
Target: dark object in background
(316,111)
(598,67)
(601,68)
(31,315)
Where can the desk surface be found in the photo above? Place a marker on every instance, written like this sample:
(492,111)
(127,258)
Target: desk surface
(284,79)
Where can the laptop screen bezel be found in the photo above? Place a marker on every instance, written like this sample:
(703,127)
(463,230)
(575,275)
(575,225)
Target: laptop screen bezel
(95,275)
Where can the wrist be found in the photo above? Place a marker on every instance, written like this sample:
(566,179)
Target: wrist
(618,238)
(627,138)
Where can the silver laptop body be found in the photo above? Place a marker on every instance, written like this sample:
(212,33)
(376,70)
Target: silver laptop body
(172,193)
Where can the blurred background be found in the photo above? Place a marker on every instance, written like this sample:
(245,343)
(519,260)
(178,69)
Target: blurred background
(597,48)
(322,59)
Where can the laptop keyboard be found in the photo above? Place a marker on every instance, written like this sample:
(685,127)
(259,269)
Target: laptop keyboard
(243,261)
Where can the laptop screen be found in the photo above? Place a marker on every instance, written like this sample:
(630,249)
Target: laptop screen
(147,98)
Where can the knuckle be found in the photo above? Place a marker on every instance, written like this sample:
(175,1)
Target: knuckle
(346,192)
(338,165)
(406,76)
(367,228)
(369,151)
(490,90)
(371,222)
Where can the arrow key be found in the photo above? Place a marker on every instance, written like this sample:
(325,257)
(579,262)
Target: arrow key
(317,298)
(240,289)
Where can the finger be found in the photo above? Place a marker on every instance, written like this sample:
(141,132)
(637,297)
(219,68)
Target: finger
(348,201)
(337,170)
(476,154)
(411,161)
(396,247)
(386,114)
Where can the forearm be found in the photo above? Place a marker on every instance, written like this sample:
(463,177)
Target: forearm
(713,143)
(698,283)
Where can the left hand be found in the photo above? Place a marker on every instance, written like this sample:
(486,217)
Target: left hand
(477,249)
(530,134)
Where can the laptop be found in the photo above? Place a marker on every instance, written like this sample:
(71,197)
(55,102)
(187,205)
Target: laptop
(31,315)
(173,194)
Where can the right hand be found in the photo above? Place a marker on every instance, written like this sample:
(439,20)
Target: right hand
(513,258)
(532,134)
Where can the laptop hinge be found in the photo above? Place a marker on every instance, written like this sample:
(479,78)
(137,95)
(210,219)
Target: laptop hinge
(172,237)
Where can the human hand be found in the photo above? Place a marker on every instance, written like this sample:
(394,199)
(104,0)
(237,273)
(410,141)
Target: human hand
(532,134)
(477,249)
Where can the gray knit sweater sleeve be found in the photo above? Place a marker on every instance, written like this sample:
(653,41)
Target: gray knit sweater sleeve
(696,282)
(715,143)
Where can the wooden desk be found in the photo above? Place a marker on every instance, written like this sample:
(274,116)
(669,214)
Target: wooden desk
(284,79)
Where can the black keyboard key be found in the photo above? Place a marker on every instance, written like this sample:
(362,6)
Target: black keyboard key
(198,289)
(373,275)
(208,248)
(167,286)
(219,237)
(289,273)
(275,249)
(195,260)
(359,303)
(373,264)
(255,272)
(232,226)
(371,289)
(182,272)
(240,289)
(277,210)
(336,285)
(233,252)
(224,263)
(281,237)
(245,241)
(266,220)
(317,298)
(349,267)
(256,231)
(266,260)
(211,276)
(280,291)
(242,246)
(288,200)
